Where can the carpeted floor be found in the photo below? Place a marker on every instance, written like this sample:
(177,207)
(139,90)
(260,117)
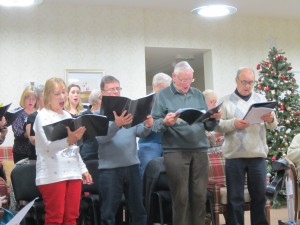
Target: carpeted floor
(276,214)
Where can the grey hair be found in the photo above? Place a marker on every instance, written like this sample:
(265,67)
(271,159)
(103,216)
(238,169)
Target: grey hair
(39,90)
(241,69)
(182,66)
(161,78)
(94,96)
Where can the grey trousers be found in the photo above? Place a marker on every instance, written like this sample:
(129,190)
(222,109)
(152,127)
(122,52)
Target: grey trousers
(187,173)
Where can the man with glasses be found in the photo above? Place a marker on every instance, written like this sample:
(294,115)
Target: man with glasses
(119,163)
(184,146)
(245,149)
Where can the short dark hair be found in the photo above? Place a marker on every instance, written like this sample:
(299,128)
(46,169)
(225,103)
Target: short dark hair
(107,79)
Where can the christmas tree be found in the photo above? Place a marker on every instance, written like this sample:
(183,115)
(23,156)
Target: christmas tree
(278,83)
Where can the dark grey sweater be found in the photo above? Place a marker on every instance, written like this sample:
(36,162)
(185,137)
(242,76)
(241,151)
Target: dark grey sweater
(181,136)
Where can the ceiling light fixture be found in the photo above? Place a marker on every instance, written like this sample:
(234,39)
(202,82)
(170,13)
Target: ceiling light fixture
(214,10)
(19,3)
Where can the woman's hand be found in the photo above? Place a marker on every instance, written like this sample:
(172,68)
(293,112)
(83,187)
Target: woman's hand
(3,132)
(87,178)
(2,122)
(74,136)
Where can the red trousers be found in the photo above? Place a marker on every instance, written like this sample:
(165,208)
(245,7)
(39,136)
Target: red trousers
(62,202)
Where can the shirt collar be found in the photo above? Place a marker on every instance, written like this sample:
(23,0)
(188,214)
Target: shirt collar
(175,91)
(245,98)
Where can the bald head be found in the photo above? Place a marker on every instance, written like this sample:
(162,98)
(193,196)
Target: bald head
(245,79)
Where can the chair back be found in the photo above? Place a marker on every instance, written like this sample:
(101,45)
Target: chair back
(162,182)
(151,176)
(92,166)
(216,170)
(23,182)
(156,186)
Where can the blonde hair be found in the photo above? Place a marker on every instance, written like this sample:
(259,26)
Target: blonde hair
(79,106)
(50,87)
(208,93)
(28,91)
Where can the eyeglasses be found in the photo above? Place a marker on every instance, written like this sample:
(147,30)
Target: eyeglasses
(244,82)
(111,90)
(186,80)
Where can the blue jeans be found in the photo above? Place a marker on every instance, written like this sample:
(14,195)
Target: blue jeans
(236,169)
(112,184)
(147,152)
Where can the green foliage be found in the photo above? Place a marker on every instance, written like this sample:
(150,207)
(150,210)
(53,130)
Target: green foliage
(277,82)
(279,201)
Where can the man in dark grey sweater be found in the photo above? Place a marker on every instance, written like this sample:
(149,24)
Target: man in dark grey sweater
(185,146)
(119,163)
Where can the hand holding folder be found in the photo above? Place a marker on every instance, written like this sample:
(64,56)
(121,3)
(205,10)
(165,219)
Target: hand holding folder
(257,110)
(139,108)
(96,125)
(191,115)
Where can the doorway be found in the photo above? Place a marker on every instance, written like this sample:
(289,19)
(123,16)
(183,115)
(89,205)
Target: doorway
(164,59)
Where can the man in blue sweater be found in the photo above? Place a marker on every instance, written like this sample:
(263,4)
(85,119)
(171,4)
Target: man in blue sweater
(185,146)
(150,147)
(119,163)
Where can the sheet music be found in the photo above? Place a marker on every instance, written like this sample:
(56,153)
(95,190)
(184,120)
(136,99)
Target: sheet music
(16,220)
(255,114)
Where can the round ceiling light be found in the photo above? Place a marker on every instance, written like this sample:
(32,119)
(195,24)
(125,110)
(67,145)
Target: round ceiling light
(214,10)
(19,3)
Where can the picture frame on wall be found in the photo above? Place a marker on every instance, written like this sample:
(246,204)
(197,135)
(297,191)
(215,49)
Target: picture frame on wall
(86,79)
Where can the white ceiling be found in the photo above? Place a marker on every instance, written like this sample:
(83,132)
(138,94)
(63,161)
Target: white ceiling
(269,8)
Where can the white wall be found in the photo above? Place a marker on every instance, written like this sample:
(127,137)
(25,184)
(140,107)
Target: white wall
(43,41)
